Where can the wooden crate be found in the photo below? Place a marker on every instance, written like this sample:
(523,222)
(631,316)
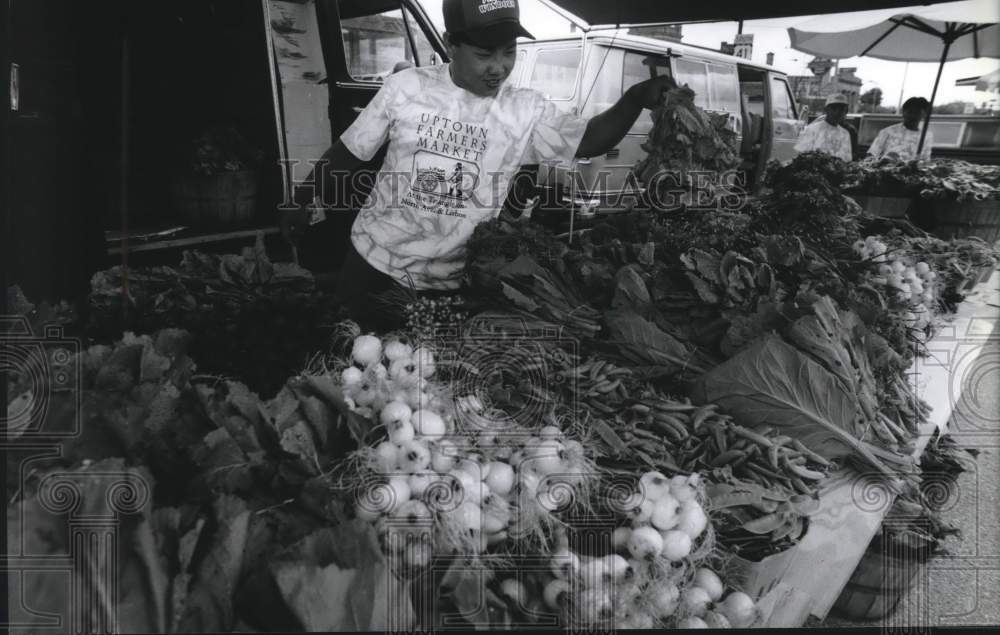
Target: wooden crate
(882,578)
(887,206)
(951,219)
(227,199)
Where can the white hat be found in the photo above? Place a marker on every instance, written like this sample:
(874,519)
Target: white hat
(836,99)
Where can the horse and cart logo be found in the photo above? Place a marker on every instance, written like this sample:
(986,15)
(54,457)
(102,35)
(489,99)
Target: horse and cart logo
(457,181)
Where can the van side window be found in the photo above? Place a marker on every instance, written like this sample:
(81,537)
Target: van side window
(724,87)
(781,100)
(515,73)
(602,83)
(635,71)
(695,75)
(375,42)
(555,72)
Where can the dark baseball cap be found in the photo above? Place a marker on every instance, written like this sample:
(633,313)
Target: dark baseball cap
(488,23)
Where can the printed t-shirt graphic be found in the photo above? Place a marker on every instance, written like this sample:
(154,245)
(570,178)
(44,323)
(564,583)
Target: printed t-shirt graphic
(449,165)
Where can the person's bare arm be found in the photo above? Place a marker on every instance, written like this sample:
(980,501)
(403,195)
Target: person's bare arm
(606,130)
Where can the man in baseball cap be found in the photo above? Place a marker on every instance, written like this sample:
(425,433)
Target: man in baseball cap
(827,134)
(457,135)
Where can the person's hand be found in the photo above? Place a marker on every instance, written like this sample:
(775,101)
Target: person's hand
(293,223)
(650,92)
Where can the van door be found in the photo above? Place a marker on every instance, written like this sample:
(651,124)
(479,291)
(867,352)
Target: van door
(555,72)
(785,124)
(331,57)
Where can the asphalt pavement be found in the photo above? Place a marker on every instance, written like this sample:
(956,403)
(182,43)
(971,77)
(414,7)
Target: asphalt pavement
(963,587)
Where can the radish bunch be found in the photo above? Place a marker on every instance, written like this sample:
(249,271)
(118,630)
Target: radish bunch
(449,475)
(909,283)
(385,371)
(641,583)
(706,604)
(464,496)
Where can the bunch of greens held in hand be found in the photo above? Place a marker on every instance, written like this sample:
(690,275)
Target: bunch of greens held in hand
(685,140)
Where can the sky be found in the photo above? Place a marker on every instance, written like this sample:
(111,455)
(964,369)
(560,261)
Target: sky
(897,80)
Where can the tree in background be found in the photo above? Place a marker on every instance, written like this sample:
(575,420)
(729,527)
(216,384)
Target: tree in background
(951,108)
(871,100)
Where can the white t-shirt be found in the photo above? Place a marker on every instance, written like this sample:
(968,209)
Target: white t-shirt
(901,141)
(819,135)
(450,162)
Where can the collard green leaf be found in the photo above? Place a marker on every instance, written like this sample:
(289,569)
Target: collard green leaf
(772,383)
(648,341)
(209,605)
(630,290)
(704,290)
(336,580)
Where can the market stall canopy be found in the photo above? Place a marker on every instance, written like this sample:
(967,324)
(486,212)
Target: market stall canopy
(918,35)
(605,12)
(986,83)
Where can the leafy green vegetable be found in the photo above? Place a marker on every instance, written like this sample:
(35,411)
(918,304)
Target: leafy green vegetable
(940,179)
(647,342)
(772,383)
(684,140)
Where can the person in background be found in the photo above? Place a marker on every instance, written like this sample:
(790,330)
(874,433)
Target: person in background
(900,141)
(828,134)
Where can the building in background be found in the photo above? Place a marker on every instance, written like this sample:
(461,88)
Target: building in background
(826,80)
(743,46)
(669,32)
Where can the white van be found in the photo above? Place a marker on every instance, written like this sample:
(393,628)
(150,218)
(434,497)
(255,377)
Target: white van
(587,74)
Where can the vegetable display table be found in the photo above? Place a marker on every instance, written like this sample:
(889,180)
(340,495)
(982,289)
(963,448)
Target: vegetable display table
(853,505)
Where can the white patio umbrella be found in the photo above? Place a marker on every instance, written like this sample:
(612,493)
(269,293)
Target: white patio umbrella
(951,31)
(989,82)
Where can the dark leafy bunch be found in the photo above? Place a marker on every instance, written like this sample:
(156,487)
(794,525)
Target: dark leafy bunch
(805,199)
(505,239)
(939,179)
(222,149)
(249,318)
(236,488)
(686,139)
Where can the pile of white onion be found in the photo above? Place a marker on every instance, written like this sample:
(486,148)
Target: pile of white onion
(635,586)
(908,282)
(450,475)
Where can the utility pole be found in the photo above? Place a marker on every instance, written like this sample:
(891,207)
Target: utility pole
(899,106)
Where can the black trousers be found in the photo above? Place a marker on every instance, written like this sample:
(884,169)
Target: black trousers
(359,286)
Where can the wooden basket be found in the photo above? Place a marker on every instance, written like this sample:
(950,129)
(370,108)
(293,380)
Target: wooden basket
(880,581)
(227,199)
(887,206)
(951,219)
